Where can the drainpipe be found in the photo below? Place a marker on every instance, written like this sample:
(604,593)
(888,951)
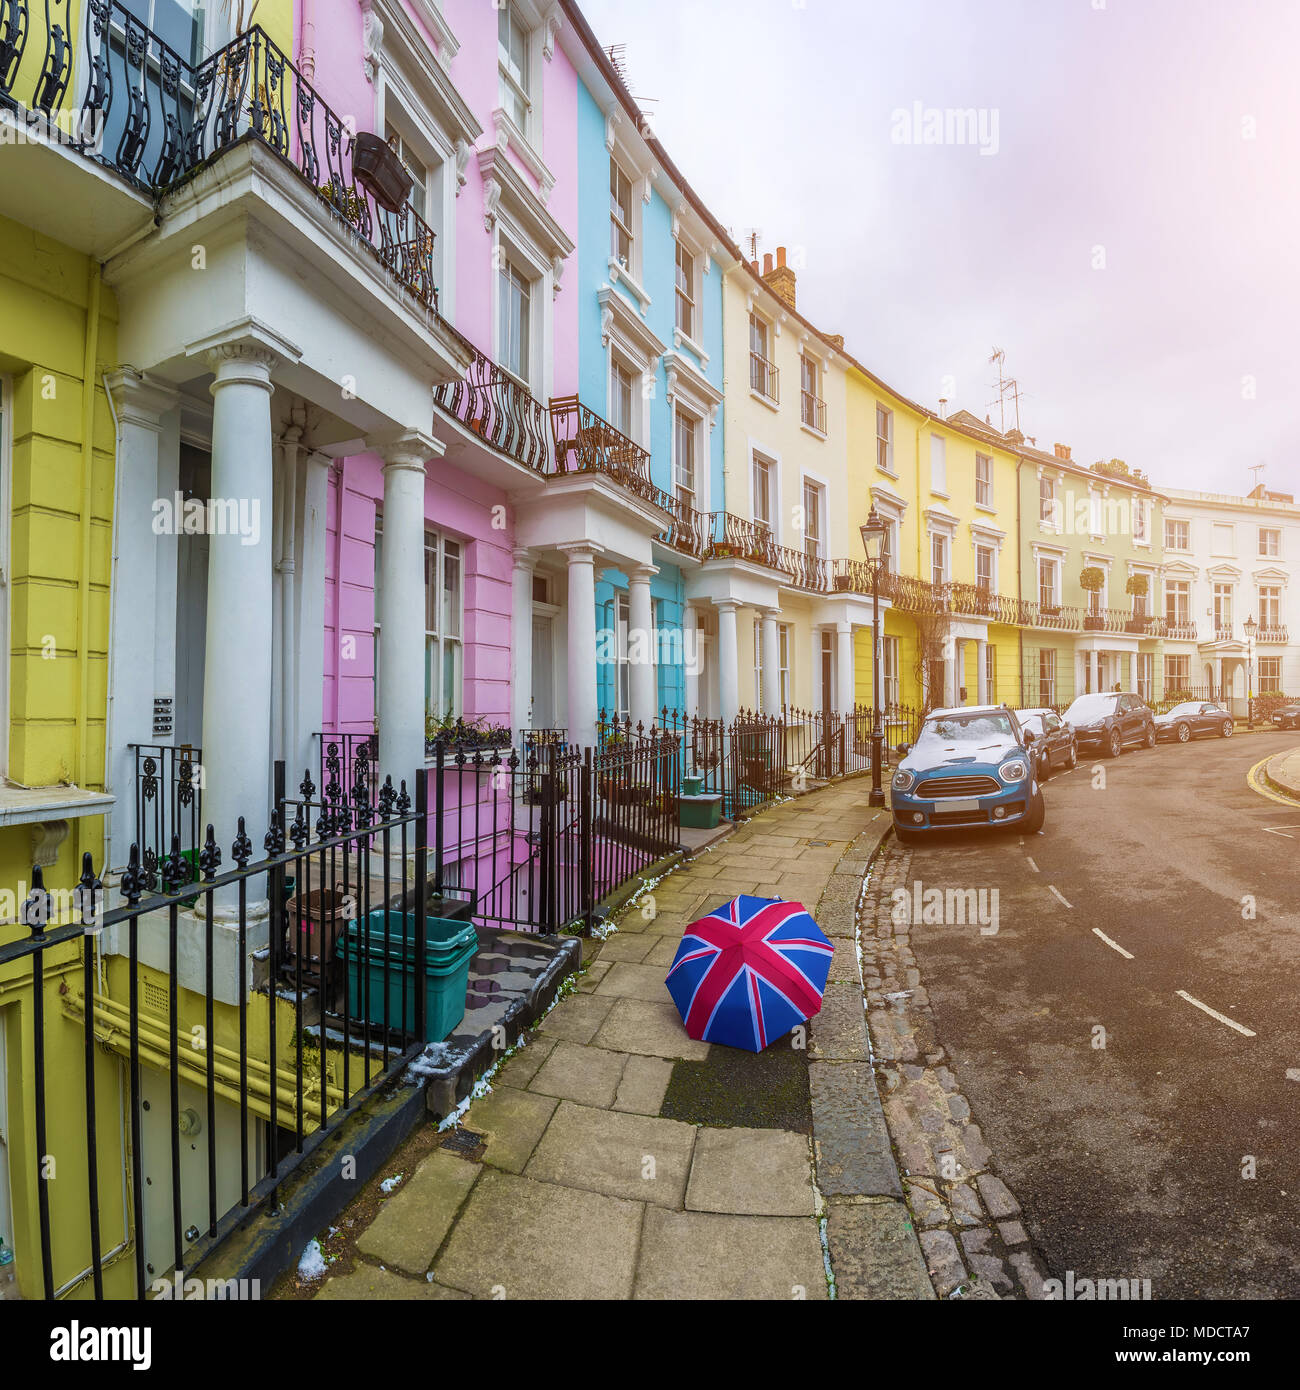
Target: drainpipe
(287,567)
(112,653)
(307,40)
(1020,587)
(93,291)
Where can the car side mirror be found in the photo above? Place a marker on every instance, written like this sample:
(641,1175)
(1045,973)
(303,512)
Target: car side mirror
(903,749)
(1029,738)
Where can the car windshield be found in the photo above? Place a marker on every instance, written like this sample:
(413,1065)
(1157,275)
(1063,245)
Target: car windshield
(1091,707)
(989,728)
(1032,722)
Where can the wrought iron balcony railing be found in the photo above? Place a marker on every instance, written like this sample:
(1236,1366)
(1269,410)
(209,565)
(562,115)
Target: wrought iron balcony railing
(688,530)
(584,443)
(764,377)
(155,118)
(813,411)
(498,408)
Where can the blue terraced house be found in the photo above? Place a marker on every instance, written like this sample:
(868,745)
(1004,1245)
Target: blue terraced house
(650,363)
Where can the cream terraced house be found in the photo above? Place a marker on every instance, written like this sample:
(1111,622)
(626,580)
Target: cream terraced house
(1229,561)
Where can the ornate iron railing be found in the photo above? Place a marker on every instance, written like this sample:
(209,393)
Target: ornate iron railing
(813,411)
(688,530)
(168,808)
(499,409)
(584,443)
(1182,632)
(764,377)
(155,118)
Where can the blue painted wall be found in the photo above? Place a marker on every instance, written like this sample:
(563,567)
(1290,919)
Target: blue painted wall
(659,274)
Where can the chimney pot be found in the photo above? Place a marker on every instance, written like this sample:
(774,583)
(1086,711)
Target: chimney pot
(767,263)
(1062,451)
(780,255)
(753,265)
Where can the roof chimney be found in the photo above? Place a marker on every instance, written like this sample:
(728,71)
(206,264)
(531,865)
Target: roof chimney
(767,263)
(943,407)
(779,279)
(1062,451)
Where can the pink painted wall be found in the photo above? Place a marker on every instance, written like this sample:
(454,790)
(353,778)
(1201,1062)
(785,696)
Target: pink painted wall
(460,507)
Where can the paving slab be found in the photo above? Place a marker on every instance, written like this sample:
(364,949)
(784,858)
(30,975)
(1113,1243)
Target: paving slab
(875,1253)
(635,981)
(621,947)
(643,1083)
(512,1122)
(704,1255)
(520,1069)
(645,1028)
(414,1221)
(638,1157)
(852,1144)
(751,1172)
(523,1239)
(372,1284)
(589,1075)
(576,1018)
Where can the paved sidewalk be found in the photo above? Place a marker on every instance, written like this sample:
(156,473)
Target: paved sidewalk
(617,1158)
(1284,772)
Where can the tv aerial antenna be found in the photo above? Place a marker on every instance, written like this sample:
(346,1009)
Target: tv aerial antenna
(1008,390)
(1257,469)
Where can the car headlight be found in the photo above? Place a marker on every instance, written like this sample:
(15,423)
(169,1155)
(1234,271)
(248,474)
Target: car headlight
(1014,771)
(903,780)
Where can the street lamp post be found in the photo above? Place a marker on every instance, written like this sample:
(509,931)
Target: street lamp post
(1249,625)
(873,539)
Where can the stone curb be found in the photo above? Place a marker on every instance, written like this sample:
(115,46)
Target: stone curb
(1288,782)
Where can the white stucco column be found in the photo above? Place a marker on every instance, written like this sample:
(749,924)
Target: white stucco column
(728,661)
(582,644)
(641,647)
(401,624)
(140,405)
(521,639)
(308,665)
(237,652)
(1133,672)
(771,662)
(692,651)
(844,669)
(983,692)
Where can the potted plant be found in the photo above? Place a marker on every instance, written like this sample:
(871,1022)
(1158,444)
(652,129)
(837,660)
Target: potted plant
(1092,579)
(1138,586)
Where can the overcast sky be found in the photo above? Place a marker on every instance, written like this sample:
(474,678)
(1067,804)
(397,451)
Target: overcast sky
(1157,139)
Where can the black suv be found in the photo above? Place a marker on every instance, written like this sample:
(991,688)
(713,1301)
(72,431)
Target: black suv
(1111,721)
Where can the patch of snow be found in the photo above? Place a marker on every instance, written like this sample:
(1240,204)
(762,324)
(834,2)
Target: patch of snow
(313,1264)
(391,1184)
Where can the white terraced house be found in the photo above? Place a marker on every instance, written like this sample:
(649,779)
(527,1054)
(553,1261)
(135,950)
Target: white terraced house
(1230,562)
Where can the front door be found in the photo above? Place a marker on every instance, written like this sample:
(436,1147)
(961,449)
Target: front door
(543,691)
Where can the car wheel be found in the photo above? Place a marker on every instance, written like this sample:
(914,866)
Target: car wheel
(1033,822)
(1183,733)
(1151,736)
(1072,757)
(906,836)
(1114,744)
(1226,729)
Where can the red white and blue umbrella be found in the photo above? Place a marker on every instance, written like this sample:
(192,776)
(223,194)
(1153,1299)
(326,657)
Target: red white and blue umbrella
(749,972)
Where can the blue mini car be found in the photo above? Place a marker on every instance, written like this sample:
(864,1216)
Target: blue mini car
(969,767)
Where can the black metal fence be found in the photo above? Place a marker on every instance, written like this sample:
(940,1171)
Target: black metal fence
(168,808)
(252,1047)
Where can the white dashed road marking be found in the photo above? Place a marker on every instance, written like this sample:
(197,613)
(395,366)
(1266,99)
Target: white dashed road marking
(1031,863)
(1214,1013)
(1052,888)
(1114,945)
(1283,830)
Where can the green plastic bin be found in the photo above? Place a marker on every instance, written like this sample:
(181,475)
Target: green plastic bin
(449,948)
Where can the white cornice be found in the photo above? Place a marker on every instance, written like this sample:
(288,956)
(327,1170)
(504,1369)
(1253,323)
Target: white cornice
(618,316)
(504,186)
(510,137)
(396,44)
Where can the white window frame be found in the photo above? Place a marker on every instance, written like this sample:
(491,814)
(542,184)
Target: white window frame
(885,416)
(758,458)
(1049,677)
(697,426)
(1273,601)
(1271,683)
(1220,600)
(618,362)
(1052,591)
(691,295)
(1276,533)
(510,268)
(771,373)
(821,493)
(807,359)
(784,642)
(984,484)
(939,456)
(889,670)
(1138,512)
(532,92)
(1184,532)
(991,550)
(1048,522)
(1178,589)
(943,569)
(631,230)
(443,640)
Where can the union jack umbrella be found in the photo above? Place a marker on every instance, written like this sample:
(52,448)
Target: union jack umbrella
(749,972)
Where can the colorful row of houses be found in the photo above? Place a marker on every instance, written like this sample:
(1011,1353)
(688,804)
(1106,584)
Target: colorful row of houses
(533,440)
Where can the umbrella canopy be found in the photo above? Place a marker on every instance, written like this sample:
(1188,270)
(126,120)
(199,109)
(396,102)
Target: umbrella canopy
(749,972)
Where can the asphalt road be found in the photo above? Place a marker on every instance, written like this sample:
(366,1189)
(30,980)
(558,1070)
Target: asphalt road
(1128,1158)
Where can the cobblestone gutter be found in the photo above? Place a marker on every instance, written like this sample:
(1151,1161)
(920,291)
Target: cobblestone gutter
(969,1223)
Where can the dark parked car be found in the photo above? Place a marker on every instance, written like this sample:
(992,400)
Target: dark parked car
(1194,717)
(1053,739)
(1111,721)
(1287,717)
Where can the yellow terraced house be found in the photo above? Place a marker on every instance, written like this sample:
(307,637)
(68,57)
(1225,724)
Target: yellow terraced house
(948,499)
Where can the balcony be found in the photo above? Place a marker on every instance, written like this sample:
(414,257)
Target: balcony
(154,119)
(764,378)
(500,410)
(1272,633)
(1180,630)
(812,411)
(584,443)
